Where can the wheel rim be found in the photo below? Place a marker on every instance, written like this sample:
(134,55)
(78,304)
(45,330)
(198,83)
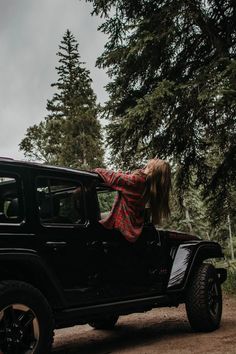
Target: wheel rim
(214,299)
(19,329)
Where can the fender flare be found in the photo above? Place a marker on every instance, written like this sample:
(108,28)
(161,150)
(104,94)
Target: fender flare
(187,257)
(39,274)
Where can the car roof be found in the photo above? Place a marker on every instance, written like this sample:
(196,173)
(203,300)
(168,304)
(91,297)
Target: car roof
(36,165)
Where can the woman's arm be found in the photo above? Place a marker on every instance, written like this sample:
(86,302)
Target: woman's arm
(117,180)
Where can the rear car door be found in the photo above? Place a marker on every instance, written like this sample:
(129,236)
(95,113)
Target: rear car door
(124,267)
(132,269)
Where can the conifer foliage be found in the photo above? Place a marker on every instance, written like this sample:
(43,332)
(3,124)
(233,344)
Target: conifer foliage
(70,135)
(172,66)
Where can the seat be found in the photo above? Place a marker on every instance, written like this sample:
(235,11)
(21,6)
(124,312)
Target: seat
(12,211)
(49,210)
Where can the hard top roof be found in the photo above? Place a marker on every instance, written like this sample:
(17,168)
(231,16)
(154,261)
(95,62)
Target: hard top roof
(31,164)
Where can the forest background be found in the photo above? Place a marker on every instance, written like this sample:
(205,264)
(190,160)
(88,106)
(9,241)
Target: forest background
(172,94)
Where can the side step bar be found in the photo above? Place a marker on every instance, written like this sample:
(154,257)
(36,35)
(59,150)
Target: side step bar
(82,315)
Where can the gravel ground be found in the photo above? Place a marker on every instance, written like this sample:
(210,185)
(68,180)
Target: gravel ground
(164,330)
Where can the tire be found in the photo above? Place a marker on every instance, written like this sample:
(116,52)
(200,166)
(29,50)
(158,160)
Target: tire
(105,323)
(204,300)
(26,321)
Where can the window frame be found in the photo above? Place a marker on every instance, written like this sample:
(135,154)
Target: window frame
(62,224)
(21,199)
(103,189)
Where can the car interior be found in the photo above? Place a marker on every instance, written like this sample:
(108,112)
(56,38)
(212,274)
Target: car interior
(9,201)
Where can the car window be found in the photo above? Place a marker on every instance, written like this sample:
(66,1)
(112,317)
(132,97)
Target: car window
(10,210)
(106,198)
(60,201)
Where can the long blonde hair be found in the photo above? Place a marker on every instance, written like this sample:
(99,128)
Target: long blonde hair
(158,188)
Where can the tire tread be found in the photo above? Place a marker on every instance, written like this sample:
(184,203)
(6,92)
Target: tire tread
(196,302)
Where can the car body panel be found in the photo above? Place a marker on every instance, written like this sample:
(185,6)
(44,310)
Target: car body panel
(187,255)
(82,268)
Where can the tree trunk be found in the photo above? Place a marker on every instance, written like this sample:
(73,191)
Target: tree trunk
(230,239)
(187,217)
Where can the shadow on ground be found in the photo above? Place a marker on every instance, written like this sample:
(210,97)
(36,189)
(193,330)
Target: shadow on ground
(124,336)
(158,331)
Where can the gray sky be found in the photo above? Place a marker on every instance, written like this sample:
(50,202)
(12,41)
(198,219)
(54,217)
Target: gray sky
(30,32)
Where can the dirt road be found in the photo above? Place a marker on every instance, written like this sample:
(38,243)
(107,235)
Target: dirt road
(158,331)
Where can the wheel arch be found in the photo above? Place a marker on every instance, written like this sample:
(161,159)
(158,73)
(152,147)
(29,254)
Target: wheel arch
(30,268)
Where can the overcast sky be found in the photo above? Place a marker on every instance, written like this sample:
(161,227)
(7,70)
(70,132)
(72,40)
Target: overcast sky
(30,32)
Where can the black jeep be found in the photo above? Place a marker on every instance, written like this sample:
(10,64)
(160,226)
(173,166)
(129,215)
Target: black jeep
(59,267)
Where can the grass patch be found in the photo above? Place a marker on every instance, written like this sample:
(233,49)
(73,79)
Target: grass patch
(229,285)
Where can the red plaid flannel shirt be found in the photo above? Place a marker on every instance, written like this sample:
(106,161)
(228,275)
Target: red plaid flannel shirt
(127,214)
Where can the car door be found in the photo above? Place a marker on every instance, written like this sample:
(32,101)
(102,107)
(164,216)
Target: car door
(125,268)
(132,269)
(63,229)
(15,232)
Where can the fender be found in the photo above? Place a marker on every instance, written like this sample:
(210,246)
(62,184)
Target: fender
(14,261)
(187,257)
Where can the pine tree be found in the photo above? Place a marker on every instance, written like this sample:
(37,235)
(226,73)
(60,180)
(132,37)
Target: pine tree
(172,66)
(71,133)
(191,216)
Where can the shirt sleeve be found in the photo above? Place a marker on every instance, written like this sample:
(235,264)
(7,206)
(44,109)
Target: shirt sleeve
(119,181)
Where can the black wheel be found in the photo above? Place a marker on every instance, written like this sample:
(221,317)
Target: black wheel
(26,322)
(105,322)
(204,300)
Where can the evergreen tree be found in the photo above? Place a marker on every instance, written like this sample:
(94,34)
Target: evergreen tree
(172,66)
(191,216)
(70,135)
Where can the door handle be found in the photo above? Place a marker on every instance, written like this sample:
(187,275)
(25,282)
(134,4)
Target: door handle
(56,244)
(107,246)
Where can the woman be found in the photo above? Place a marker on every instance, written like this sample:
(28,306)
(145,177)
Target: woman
(149,185)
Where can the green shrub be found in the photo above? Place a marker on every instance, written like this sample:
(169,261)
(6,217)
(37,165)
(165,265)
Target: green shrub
(230,284)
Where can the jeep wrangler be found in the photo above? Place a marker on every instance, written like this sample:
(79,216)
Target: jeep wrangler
(59,267)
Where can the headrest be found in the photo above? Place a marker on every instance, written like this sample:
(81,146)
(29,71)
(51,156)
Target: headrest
(13,209)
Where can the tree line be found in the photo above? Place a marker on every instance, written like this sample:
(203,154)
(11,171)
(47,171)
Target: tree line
(172,93)
(70,135)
